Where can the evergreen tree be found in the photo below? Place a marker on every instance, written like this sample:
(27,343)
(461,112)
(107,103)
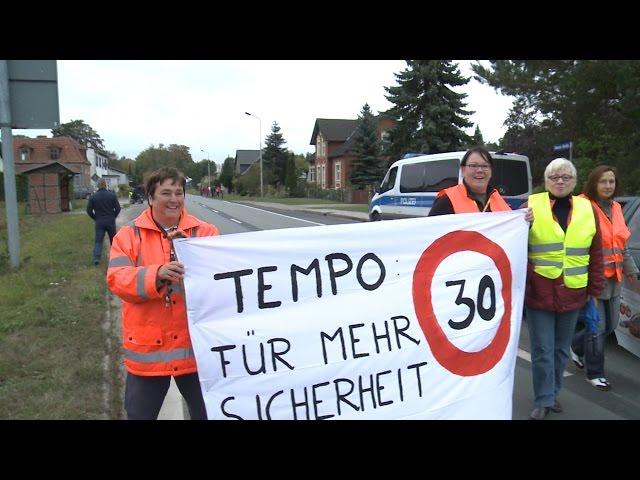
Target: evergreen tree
(274,157)
(291,178)
(476,139)
(226,174)
(430,116)
(366,168)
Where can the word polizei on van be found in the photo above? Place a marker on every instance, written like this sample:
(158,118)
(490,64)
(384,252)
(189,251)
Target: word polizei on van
(410,186)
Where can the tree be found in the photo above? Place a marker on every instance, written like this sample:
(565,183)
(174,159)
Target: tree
(366,167)
(291,177)
(476,139)
(429,115)
(152,158)
(274,157)
(80,131)
(593,103)
(226,174)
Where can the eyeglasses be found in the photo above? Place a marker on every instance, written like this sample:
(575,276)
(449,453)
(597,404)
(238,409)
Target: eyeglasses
(557,178)
(476,166)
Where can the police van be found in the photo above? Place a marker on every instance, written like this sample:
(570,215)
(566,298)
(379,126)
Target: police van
(410,186)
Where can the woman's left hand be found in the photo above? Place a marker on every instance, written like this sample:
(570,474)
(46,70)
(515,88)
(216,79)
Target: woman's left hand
(529,215)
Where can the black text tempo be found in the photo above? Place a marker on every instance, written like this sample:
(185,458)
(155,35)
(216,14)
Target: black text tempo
(295,270)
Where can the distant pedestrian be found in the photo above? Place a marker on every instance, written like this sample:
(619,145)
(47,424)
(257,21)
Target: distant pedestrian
(103,207)
(145,274)
(218,191)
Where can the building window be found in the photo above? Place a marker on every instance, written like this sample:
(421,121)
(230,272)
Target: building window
(338,177)
(54,153)
(24,154)
(312,174)
(320,146)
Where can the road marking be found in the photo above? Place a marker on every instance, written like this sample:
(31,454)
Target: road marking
(273,213)
(234,220)
(527,356)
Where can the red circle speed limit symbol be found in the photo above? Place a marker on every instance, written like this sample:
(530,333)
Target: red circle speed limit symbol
(446,353)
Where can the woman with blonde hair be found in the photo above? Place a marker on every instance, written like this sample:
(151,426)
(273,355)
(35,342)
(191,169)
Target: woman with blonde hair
(564,268)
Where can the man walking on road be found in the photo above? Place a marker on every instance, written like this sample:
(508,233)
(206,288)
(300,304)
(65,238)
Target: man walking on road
(103,207)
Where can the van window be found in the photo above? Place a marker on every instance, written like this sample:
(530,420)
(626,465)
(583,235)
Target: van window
(429,176)
(510,176)
(389,180)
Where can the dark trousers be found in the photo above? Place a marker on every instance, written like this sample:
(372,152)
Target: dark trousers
(144,396)
(101,229)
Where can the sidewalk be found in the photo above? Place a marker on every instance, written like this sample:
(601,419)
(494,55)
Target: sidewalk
(323,209)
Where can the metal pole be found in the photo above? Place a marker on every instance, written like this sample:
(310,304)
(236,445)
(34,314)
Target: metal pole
(10,197)
(570,151)
(260,132)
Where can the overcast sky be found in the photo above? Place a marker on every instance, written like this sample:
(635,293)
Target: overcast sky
(201,104)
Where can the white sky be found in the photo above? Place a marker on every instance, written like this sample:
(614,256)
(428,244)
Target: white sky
(201,104)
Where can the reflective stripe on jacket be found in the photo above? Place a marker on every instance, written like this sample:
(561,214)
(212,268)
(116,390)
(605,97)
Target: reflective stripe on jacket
(615,234)
(155,333)
(554,252)
(462,203)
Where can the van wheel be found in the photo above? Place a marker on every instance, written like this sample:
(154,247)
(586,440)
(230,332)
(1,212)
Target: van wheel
(375,217)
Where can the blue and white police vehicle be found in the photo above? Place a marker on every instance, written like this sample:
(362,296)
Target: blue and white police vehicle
(410,186)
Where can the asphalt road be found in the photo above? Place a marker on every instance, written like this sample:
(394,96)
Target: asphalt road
(580,400)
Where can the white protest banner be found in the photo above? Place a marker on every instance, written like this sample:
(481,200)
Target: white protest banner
(406,319)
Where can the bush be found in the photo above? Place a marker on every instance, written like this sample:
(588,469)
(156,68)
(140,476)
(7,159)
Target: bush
(123,190)
(22,186)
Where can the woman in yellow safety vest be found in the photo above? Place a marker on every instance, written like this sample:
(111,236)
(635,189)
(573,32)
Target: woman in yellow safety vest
(601,186)
(564,267)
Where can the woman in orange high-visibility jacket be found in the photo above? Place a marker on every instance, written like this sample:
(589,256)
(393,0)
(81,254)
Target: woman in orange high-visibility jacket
(588,349)
(145,275)
(474,193)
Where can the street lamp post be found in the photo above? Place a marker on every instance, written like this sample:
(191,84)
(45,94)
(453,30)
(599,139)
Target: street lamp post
(260,133)
(208,171)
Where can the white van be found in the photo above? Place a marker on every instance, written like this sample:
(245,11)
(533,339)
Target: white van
(410,186)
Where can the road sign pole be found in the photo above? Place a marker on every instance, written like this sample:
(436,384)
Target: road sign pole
(570,151)
(10,198)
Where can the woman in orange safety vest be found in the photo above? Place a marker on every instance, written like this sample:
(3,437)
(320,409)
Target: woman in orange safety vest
(473,194)
(144,273)
(602,185)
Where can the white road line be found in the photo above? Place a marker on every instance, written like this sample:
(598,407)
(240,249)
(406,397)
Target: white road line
(527,356)
(215,211)
(234,220)
(273,213)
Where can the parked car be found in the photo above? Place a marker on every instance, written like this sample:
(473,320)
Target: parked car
(628,330)
(82,191)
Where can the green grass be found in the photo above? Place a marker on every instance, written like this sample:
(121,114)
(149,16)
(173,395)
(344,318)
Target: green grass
(52,338)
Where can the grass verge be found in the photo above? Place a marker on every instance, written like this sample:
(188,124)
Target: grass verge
(52,334)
